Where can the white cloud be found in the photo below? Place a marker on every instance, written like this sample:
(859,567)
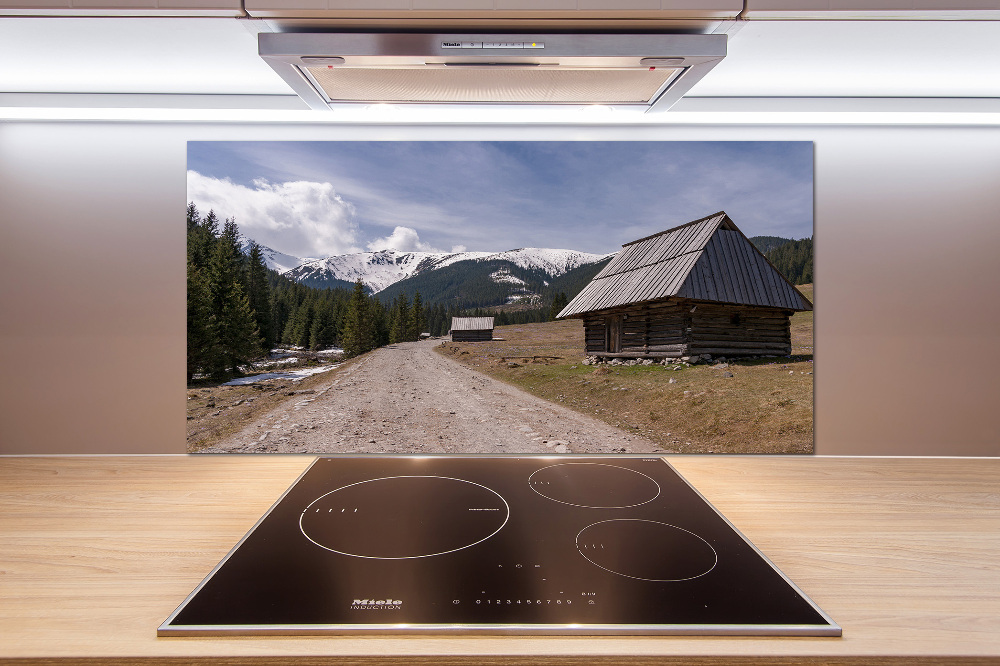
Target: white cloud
(302,218)
(402,239)
(459,248)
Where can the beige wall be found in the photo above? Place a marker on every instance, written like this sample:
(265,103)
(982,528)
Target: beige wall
(92,263)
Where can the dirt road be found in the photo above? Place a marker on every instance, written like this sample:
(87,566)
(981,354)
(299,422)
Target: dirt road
(406,398)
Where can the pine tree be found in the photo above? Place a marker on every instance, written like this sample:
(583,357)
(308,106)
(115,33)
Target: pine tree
(379,323)
(339,307)
(435,319)
(323,331)
(259,294)
(299,327)
(201,345)
(201,237)
(558,303)
(415,320)
(233,324)
(394,331)
(211,223)
(193,218)
(288,298)
(357,336)
(397,319)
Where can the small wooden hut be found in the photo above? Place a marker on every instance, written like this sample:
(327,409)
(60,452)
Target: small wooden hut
(700,288)
(471,329)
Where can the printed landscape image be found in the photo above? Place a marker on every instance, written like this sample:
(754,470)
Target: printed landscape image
(500,297)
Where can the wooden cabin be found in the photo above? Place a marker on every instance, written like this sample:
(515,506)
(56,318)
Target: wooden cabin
(700,288)
(471,329)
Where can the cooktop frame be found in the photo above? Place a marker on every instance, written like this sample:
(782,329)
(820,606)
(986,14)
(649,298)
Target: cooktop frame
(827,627)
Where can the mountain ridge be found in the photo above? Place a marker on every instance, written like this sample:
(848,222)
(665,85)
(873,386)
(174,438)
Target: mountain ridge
(470,279)
(380,269)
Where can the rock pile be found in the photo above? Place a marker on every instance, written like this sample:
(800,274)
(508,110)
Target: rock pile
(672,363)
(685,361)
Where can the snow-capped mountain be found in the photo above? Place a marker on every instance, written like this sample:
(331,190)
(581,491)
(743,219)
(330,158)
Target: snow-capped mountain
(278,261)
(379,270)
(551,262)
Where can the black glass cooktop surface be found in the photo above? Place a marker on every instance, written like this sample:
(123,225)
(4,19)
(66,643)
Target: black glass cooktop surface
(586,545)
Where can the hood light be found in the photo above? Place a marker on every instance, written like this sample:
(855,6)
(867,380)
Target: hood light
(661,62)
(320,61)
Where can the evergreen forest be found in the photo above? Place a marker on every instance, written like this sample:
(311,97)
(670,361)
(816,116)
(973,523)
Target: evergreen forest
(794,260)
(238,309)
(767,243)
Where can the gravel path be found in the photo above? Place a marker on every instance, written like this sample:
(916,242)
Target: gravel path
(406,398)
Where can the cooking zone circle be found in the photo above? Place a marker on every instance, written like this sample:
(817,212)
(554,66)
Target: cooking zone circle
(594,485)
(404,517)
(646,550)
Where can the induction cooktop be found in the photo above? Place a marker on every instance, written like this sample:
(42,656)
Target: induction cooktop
(503,545)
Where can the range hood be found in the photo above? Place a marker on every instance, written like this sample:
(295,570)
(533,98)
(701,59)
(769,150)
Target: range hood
(331,70)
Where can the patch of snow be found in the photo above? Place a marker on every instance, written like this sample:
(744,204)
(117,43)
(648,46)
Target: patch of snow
(454,258)
(553,262)
(293,375)
(283,360)
(503,275)
(332,351)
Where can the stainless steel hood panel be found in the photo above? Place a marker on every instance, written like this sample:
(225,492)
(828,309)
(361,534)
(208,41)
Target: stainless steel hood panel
(331,69)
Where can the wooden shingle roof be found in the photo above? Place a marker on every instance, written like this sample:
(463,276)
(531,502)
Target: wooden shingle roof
(708,260)
(472,323)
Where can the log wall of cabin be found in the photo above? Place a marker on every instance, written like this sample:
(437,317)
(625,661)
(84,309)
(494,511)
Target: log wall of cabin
(738,330)
(594,332)
(472,336)
(652,330)
(655,329)
(681,328)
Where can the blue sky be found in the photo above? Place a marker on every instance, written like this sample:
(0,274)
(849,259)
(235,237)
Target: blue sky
(330,197)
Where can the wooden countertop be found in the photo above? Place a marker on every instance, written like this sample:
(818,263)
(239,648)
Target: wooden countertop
(903,553)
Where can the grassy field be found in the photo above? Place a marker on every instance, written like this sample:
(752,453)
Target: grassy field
(802,325)
(766,406)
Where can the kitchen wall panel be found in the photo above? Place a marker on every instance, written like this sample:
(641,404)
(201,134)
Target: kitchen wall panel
(92,260)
